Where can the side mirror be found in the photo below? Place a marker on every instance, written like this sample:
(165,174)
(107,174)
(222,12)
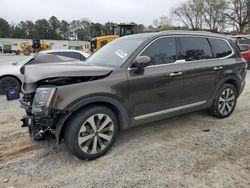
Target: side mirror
(141,62)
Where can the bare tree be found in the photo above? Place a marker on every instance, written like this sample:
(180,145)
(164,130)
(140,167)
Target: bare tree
(164,20)
(191,14)
(248,10)
(214,16)
(238,14)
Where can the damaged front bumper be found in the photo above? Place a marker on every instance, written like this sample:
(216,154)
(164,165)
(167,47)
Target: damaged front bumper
(42,129)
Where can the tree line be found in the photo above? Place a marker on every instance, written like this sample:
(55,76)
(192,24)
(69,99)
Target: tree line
(59,30)
(209,15)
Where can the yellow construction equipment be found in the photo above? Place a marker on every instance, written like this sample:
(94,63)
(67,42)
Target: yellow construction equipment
(119,30)
(36,46)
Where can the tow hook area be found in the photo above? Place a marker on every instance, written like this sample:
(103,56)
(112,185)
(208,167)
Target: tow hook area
(27,121)
(44,138)
(40,132)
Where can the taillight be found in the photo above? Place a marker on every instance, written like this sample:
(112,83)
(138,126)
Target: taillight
(246,55)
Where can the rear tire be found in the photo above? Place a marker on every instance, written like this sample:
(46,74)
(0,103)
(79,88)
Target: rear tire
(90,133)
(224,102)
(9,81)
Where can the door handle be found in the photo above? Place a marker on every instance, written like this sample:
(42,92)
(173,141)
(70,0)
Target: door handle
(175,74)
(218,68)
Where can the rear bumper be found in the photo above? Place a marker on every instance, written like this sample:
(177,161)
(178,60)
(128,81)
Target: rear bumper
(248,64)
(243,83)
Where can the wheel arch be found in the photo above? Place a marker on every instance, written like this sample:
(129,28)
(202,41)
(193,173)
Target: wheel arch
(233,80)
(230,79)
(113,104)
(9,75)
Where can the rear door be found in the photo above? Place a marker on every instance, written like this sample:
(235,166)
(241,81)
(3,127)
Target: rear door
(199,74)
(158,89)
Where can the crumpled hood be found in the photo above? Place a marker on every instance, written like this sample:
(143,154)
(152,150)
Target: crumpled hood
(34,73)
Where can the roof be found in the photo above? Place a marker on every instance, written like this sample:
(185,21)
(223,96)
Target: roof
(59,50)
(175,32)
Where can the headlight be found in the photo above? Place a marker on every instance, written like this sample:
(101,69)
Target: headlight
(42,100)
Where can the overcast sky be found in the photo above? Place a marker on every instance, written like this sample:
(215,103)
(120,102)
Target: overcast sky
(139,11)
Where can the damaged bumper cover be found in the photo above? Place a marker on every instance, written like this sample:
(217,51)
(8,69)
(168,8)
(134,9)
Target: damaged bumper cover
(41,97)
(42,127)
(42,130)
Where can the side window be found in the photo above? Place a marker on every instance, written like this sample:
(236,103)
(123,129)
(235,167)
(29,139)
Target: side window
(195,48)
(82,58)
(220,47)
(55,53)
(162,51)
(73,55)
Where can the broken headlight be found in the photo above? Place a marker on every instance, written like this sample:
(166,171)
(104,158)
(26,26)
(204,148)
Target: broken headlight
(43,100)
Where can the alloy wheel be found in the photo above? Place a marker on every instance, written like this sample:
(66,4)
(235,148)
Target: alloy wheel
(226,101)
(96,133)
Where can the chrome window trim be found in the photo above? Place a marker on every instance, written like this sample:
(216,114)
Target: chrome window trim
(169,110)
(233,52)
(175,36)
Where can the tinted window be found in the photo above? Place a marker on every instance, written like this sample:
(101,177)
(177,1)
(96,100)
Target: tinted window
(195,48)
(162,51)
(220,47)
(73,55)
(243,48)
(82,58)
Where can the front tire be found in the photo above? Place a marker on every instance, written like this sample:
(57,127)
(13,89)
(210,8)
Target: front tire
(91,132)
(224,102)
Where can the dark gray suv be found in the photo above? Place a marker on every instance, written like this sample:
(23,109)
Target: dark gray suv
(129,82)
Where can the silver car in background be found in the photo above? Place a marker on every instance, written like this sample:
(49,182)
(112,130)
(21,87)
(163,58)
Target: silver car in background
(10,74)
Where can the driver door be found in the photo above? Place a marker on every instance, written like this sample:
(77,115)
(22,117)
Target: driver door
(157,91)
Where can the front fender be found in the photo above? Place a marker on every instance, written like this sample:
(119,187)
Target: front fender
(123,116)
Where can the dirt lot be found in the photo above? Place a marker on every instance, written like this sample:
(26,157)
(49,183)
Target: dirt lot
(170,153)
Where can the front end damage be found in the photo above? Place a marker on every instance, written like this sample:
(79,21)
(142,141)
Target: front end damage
(41,125)
(41,98)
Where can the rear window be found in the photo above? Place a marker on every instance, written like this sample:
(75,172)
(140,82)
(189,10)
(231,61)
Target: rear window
(73,55)
(243,48)
(195,48)
(220,47)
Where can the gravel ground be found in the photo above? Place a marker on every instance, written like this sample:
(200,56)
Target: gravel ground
(171,153)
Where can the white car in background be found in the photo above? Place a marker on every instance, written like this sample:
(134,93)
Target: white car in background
(10,74)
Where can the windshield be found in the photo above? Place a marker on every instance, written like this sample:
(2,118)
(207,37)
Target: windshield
(115,53)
